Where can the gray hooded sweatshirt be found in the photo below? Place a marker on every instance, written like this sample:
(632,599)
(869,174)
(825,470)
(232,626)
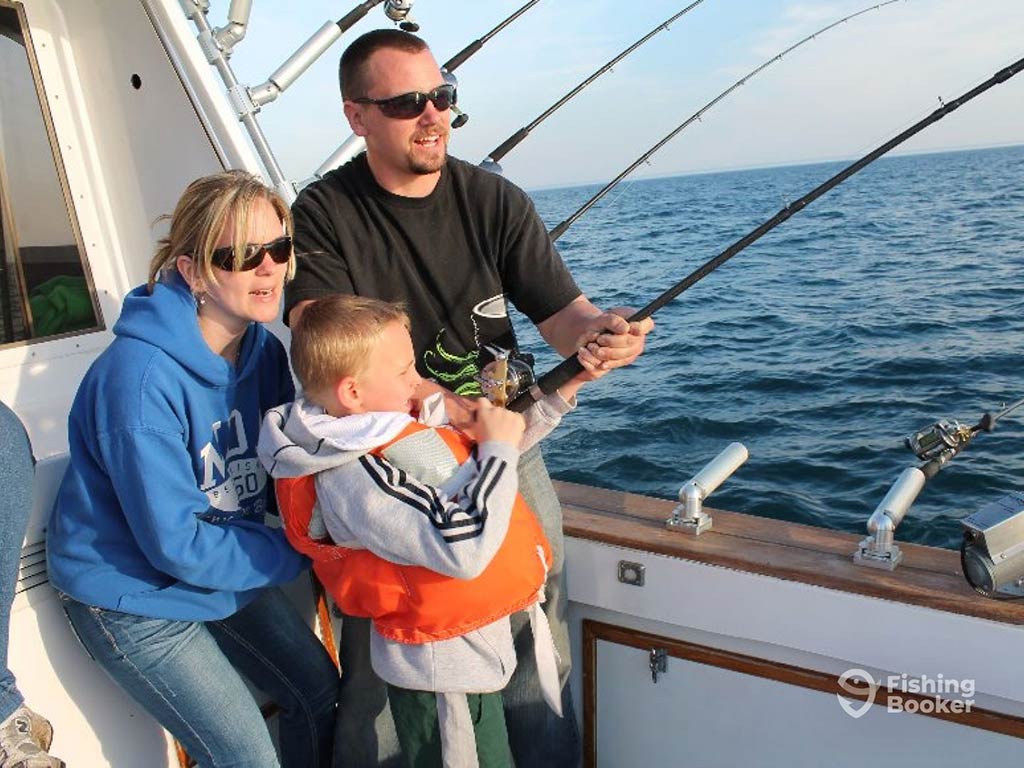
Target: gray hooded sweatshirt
(416,506)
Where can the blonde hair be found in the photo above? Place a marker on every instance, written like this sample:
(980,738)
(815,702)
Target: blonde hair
(334,336)
(199,218)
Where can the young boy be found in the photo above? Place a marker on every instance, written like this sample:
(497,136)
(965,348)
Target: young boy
(414,526)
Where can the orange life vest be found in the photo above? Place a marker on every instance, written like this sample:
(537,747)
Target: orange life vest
(411,604)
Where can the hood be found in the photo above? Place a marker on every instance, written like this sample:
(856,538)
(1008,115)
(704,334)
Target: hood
(166,319)
(302,439)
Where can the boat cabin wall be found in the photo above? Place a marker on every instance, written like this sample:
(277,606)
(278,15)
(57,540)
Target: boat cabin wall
(107,111)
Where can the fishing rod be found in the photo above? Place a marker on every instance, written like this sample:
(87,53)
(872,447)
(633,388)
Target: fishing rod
(559,230)
(461,118)
(460,58)
(396,10)
(571,366)
(491,162)
(219,44)
(939,443)
(990,551)
(353,145)
(936,445)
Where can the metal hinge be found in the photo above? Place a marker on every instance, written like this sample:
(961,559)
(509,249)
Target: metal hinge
(658,663)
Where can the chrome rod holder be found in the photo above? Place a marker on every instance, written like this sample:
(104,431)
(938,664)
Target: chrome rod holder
(689,515)
(879,548)
(232,33)
(296,64)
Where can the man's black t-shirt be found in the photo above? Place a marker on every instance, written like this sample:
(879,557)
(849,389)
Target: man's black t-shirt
(453,257)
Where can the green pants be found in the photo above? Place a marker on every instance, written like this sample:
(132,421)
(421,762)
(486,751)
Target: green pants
(415,716)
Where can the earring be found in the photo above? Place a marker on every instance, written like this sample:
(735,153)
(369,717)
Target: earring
(200,298)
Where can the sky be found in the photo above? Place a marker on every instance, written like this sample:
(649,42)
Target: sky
(834,98)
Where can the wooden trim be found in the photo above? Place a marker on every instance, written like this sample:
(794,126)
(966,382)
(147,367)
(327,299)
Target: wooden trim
(988,720)
(929,576)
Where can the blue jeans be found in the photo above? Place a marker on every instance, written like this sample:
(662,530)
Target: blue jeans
(366,738)
(16,473)
(186,675)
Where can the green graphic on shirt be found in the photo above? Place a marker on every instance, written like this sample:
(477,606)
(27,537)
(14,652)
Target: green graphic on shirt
(456,372)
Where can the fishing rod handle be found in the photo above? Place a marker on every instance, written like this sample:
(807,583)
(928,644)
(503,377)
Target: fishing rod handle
(460,58)
(349,19)
(508,144)
(561,374)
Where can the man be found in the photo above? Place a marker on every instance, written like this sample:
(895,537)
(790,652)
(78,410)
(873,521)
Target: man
(405,222)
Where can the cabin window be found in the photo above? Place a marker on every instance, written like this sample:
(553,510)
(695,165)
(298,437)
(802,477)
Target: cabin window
(45,287)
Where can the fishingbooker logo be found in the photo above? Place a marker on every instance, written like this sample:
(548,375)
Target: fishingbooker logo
(230,478)
(903,693)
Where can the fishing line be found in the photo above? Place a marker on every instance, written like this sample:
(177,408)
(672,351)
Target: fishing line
(571,366)
(559,230)
(491,162)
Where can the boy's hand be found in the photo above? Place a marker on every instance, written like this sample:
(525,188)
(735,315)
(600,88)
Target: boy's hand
(461,411)
(494,423)
(593,367)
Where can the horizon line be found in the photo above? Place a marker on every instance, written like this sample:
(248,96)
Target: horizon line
(784,164)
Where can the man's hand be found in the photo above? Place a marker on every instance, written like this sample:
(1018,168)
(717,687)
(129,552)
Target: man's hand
(617,341)
(581,324)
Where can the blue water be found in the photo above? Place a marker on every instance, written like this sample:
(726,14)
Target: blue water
(892,302)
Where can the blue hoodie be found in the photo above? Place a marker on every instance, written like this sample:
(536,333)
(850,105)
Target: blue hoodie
(161,510)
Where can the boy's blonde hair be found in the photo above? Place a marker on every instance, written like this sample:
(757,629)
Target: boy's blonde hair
(200,216)
(334,336)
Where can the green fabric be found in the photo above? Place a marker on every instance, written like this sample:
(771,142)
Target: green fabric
(61,304)
(415,715)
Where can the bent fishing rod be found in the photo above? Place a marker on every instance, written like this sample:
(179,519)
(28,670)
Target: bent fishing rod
(353,145)
(560,229)
(571,366)
(492,161)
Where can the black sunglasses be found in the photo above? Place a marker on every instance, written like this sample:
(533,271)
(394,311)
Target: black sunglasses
(280,251)
(409,105)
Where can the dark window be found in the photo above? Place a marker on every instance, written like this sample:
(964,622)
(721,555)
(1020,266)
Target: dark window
(45,289)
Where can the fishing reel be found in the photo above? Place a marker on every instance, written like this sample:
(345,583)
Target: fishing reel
(459,118)
(400,12)
(946,437)
(505,377)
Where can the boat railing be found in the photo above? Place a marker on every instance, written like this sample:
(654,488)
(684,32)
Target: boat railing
(218,45)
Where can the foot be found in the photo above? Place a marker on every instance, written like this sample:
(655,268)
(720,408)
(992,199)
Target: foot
(24,738)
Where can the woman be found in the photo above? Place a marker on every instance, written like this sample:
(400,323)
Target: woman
(157,542)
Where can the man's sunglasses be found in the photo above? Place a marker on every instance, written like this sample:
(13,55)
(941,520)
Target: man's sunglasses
(280,251)
(409,105)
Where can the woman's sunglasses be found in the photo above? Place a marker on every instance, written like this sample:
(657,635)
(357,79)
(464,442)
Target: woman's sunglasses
(280,251)
(409,105)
